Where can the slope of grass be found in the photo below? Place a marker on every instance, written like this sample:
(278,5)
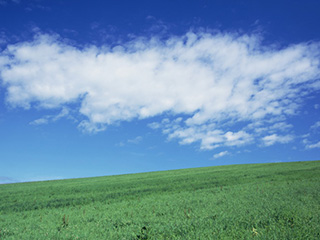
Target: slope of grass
(260,201)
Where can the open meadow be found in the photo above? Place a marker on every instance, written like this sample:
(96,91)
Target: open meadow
(256,201)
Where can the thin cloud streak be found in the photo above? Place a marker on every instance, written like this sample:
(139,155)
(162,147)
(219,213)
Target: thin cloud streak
(315,145)
(220,154)
(51,118)
(213,80)
(274,138)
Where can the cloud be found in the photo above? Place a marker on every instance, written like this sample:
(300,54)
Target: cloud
(51,118)
(315,126)
(315,145)
(207,134)
(310,140)
(220,154)
(40,121)
(154,125)
(206,83)
(136,140)
(269,127)
(274,138)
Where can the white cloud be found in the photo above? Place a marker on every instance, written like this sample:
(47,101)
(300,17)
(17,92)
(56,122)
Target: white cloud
(281,126)
(316,125)
(209,79)
(89,127)
(51,118)
(207,134)
(154,125)
(40,121)
(274,138)
(220,154)
(135,140)
(316,145)
(269,127)
(309,138)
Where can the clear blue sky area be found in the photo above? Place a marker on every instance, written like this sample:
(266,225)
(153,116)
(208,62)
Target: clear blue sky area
(92,88)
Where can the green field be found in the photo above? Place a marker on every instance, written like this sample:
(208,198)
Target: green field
(257,201)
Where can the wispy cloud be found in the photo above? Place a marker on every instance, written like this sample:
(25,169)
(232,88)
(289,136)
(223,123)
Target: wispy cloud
(310,140)
(274,138)
(51,118)
(316,126)
(214,81)
(135,140)
(311,146)
(208,135)
(220,154)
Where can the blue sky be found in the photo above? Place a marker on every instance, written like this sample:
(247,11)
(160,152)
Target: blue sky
(92,88)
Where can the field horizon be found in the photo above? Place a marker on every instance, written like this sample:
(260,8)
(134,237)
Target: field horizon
(242,201)
(155,171)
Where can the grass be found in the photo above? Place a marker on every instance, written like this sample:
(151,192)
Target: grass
(257,201)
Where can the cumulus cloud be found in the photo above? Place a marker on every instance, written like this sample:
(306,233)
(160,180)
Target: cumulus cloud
(214,81)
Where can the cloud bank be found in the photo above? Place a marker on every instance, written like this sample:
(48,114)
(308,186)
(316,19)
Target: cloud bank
(217,89)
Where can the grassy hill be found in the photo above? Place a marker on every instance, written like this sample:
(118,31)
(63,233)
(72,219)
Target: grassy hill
(256,201)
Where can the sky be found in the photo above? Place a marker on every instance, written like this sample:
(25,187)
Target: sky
(94,88)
